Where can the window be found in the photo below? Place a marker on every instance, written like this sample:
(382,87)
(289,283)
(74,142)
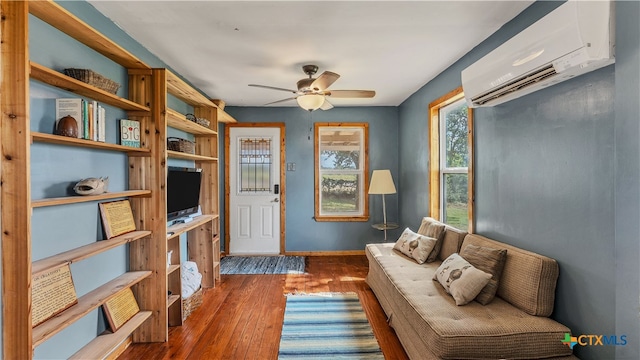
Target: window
(450,161)
(341,175)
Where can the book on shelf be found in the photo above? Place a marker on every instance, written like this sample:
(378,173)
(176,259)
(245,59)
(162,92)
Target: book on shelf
(71,107)
(130,133)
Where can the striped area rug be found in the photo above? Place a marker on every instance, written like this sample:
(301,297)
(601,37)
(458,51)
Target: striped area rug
(261,265)
(327,326)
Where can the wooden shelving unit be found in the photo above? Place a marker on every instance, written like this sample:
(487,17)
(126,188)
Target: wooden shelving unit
(63,140)
(200,244)
(148,274)
(80,199)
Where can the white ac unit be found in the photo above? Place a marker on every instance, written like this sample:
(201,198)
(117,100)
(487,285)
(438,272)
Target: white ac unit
(575,38)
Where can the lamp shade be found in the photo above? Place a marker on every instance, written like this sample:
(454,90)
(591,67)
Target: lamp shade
(382,182)
(310,102)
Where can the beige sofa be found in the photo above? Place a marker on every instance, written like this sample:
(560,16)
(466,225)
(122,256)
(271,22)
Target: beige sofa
(429,324)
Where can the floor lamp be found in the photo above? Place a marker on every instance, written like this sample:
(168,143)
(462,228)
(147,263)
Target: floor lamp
(382,183)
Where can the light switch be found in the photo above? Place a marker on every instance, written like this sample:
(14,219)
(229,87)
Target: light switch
(291,166)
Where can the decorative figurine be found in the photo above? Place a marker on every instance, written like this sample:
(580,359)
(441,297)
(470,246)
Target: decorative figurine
(67,126)
(92,186)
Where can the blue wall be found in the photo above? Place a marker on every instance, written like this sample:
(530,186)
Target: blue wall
(627,177)
(302,232)
(547,180)
(557,171)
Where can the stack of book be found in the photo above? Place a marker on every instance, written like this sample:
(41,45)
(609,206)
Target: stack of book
(89,115)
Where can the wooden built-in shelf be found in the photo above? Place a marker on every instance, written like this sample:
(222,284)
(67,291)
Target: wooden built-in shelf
(178,121)
(172,299)
(65,140)
(181,228)
(172,268)
(104,345)
(79,199)
(64,82)
(225,117)
(180,89)
(83,252)
(86,304)
(58,17)
(181,155)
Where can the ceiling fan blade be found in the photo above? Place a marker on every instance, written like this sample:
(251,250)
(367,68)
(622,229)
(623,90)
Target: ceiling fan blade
(326,105)
(274,88)
(324,81)
(350,93)
(279,101)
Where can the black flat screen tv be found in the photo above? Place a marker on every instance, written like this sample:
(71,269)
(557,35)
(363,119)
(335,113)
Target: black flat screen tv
(183,191)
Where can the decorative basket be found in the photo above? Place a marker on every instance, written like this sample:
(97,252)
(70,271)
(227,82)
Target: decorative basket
(93,78)
(181,145)
(191,303)
(200,121)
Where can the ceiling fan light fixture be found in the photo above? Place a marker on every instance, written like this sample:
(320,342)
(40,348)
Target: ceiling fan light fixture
(310,102)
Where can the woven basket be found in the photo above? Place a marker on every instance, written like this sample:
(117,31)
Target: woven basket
(181,145)
(93,78)
(200,121)
(191,303)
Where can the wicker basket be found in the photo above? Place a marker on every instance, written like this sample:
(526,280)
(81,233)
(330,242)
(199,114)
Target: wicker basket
(191,303)
(200,121)
(93,78)
(181,145)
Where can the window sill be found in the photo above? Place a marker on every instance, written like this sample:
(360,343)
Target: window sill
(341,218)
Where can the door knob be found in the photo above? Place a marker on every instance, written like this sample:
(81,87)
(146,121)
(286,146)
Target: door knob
(275,200)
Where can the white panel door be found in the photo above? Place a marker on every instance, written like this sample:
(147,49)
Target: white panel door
(254,199)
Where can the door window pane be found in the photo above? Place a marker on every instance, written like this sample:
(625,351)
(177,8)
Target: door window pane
(255,164)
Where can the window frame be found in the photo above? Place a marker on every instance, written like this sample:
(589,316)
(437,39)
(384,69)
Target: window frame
(364,171)
(436,164)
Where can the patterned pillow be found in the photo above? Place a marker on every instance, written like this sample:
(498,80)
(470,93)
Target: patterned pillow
(460,279)
(488,260)
(431,228)
(414,245)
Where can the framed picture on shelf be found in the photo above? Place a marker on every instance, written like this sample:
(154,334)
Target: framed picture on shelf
(117,218)
(130,133)
(120,308)
(52,292)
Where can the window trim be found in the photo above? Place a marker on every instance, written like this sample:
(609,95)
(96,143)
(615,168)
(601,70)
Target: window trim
(435,193)
(365,172)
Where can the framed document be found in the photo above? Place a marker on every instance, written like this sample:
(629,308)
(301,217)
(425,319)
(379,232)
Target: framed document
(52,292)
(120,308)
(117,218)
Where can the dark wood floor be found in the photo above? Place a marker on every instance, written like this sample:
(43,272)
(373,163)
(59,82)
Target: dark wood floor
(241,318)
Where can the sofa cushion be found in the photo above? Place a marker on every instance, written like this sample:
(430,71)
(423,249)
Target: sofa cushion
(489,260)
(435,229)
(528,279)
(428,320)
(415,246)
(460,279)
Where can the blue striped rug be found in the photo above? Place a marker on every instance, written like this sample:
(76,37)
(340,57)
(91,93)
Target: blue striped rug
(327,326)
(261,265)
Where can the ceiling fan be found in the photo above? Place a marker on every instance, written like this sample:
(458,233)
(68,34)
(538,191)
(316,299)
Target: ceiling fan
(312,93)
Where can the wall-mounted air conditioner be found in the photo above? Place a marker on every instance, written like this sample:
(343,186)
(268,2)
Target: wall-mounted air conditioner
(573,39)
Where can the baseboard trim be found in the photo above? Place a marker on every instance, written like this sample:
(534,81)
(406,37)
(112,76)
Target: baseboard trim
(325,253)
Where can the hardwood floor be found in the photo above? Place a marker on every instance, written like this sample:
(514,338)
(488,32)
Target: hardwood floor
(241,318)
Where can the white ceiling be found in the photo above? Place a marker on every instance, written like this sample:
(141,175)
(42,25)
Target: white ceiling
(392,47)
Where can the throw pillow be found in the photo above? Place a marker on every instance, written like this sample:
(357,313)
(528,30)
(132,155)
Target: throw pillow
(435,230)
(414,245)
(489,260)
(461,279)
